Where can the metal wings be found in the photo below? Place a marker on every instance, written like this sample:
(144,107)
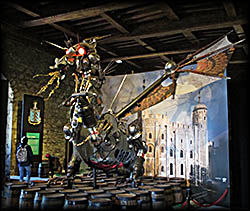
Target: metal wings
(157,95)
(211,60)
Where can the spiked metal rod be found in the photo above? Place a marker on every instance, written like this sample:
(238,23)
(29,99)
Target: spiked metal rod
(203,48)
(141,96)
(211,53)
(118,91)
(58,46)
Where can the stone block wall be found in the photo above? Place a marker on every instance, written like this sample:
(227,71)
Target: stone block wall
(21,60)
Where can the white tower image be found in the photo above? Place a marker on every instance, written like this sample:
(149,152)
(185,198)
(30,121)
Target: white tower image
(199,125)
(176,149)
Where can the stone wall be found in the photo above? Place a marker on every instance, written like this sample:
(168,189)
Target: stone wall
(21,60)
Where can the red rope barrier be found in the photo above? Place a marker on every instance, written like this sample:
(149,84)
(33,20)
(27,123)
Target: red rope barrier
(183,205)
(214,203)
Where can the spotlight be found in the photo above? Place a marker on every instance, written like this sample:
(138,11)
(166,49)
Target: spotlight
(118,61)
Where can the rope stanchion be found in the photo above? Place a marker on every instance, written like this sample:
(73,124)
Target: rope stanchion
(188,194)
(214,203)
(183,205)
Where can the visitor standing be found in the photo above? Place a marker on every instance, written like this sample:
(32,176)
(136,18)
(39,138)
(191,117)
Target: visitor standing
(24,156)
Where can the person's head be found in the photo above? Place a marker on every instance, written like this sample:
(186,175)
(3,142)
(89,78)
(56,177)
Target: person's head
(24,140)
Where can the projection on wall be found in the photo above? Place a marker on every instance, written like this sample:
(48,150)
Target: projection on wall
(186,136)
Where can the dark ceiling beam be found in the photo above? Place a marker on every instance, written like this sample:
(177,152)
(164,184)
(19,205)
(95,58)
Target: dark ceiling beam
(171,15)
(123,30)
(114,23)
(177,27)
(138,9)
(144,14)
(35,15)
(174,52)
(191,37)
(231,12)
(60,28)
(169,12)
(80,14)
(22,9)
(84,21)
(116,56)
(145,45)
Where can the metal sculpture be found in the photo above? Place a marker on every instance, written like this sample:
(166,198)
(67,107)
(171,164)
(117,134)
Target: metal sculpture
(103,140)
(100,140)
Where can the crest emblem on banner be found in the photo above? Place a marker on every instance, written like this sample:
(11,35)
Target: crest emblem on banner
(34,118)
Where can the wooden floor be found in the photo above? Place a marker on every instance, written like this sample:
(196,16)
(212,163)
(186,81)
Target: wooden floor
(15,177)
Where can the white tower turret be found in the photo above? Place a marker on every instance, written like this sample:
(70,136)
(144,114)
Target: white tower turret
(199,124)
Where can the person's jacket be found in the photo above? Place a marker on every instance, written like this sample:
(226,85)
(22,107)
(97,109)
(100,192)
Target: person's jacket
(54,163)
(29,153)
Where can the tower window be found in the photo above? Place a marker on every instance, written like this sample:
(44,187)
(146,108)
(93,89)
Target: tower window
(181,153)
(162,168)
(191,170)
(162,149)
(149,149)
(182,169)
(162,136)
(171,153)
(150,135)
(171,169)
(191,154)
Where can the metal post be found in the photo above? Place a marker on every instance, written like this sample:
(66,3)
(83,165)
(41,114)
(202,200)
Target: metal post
(94,178)
(188,196)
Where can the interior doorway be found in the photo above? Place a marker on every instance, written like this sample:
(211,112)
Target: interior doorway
(6,108)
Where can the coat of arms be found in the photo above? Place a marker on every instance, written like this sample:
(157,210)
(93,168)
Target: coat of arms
(34,117)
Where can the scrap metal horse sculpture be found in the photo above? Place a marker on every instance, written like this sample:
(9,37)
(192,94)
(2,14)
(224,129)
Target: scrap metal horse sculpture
(100,140)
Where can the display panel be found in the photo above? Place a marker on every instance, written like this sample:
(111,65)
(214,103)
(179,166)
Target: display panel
(187,136)
(33,141)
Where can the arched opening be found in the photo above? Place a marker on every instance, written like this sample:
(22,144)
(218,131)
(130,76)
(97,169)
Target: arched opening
(182,169)
(150,148)
(162,149)
(7,96)
(191,170)
(171,153)
(181,154)
(191,154)
(171,169)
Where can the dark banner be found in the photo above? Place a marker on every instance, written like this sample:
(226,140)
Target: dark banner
(32,125)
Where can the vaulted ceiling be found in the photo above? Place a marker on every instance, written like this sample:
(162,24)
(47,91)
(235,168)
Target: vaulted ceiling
(143,34)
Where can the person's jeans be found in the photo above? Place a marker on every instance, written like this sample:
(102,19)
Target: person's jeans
(21,173)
